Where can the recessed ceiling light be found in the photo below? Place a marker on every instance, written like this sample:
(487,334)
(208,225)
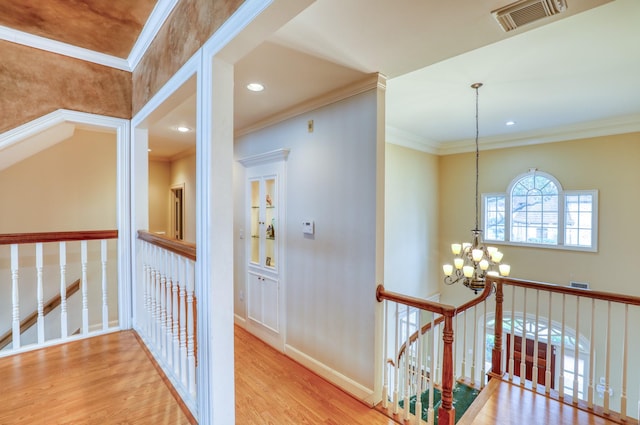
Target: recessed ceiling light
(510,123)
(255,87)
(183,129)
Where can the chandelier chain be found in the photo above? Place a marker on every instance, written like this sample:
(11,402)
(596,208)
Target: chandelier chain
(476,87)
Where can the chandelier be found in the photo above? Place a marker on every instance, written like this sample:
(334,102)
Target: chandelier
(473,262)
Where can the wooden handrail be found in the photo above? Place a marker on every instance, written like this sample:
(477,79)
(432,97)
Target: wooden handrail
(588,293)
(184,249)
(24,238)
(32,318)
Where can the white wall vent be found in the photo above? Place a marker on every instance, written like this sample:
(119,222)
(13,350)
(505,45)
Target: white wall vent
(579,285)
(524,12)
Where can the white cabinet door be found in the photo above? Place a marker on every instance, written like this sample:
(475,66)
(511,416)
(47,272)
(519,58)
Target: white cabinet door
(264,302)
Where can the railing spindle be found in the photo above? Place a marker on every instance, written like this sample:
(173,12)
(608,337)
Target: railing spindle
(625,346)
(464,347)
(547,374)
(562,338)
(512,342)
(40,292)
(63,290)
(432,368)
(534,370)
(176,315)
(396,368)
(484,343)
(163,303)
(475,344)
(607,364)
(105,299)
(191,325)
(406,367)
(83,286)
(576,354)
(592,353)
(523,342)
(385,349)
(15,296)
(420,371)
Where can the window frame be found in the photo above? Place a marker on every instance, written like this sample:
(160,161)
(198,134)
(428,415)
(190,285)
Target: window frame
(561,219)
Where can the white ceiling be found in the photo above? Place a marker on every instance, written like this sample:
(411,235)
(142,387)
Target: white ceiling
(572,75)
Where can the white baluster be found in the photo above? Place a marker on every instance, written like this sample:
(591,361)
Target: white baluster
(105,300)
(152,293)
(85,301)
(534,371)
(523,344)
(15,296)
(592,352)
(396,361)
(547,375)
(385,339)
(175,297)
(420,370)
(484,343)
(475,344)
(455,348)
(561,380)
(191,326)
(407,360)
(183,326)
(625,345)
(434,351)
(145,285)
(169,296)
(576,354)
(163,303)
(63,290)
(463,372)
(157,290)
(40,292)
(607,363)
(512,342)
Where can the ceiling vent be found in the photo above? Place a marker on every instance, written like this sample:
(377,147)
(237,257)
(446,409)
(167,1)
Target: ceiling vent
(524,12)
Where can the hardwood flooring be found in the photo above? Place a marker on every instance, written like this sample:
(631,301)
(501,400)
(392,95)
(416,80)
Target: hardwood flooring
(273,389)
(505,404)
(102,380)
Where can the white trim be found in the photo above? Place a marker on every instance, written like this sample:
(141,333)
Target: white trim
(60,48)
(409,140)
(156,19)
(369,83)
(264,158)
(343,382)
(239,321)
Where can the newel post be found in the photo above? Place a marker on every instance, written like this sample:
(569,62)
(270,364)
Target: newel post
(446,412)
(496,355)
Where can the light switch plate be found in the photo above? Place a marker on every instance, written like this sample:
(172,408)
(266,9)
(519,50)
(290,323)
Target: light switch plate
(308,227)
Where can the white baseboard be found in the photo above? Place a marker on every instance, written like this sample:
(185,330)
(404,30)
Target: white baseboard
(240,321)
(345,383)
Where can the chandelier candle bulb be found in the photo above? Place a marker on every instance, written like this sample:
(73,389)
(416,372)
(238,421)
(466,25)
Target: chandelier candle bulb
(484,264)
(468,271)
(505,269)
(491,250)
(477,255)
(455,248)
(448,269)
(465,246)
(458,262)
(497,257)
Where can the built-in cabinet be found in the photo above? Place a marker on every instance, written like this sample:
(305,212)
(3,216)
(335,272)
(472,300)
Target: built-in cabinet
(264,235)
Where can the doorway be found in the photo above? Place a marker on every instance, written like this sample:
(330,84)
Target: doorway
(177,212)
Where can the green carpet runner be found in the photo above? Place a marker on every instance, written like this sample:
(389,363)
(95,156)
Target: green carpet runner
(463,396)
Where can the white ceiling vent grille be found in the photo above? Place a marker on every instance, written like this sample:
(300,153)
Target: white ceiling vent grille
(524,12)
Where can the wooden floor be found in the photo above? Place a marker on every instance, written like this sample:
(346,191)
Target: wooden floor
(506,404)
(111,380)
(103,380)
(273,389)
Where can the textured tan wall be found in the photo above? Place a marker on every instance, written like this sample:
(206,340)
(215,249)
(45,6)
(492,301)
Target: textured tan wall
(34,83)
(190,24)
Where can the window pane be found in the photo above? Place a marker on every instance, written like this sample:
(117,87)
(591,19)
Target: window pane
(534,210)
(578,219)
(494,208)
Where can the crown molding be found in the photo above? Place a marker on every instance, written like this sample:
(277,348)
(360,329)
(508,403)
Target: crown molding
(409,140)
(60,48)
(158,16)
(263,158)
(372,81)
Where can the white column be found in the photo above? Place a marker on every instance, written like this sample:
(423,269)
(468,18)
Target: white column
(63,290)
(39,265)
(15,296)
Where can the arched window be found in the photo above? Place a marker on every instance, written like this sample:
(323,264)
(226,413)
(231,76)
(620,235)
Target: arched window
(536,210)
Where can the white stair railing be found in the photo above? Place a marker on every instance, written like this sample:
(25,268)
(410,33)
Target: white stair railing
(168,310)
(40,266)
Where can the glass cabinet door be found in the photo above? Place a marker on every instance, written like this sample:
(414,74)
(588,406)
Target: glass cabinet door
(263,222)
(255,222)
(270,222)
